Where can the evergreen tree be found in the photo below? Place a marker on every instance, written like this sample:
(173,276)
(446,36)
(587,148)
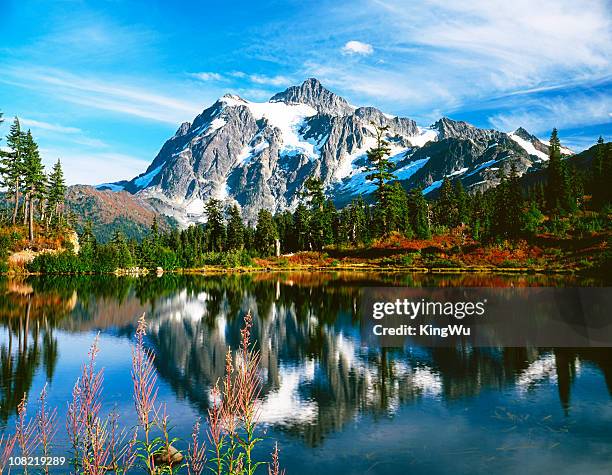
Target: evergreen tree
(215,227)
(533,219)
(265,233)
(301,223)
(11,165)
(419,214)
(380,170)
(558,189)
(359,225)
(602,174)
(121,251)
(55,193)
(461,201)
(446,205)
(320,219)
(33,178)
(88,246)
(514,212)
(398,209)
(235,229)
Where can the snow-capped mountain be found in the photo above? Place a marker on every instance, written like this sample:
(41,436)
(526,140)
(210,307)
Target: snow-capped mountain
(258,155)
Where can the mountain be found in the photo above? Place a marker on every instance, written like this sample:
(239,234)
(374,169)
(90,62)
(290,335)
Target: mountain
(258,155)
(111,211)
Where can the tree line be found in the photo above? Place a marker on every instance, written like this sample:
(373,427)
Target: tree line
(508,211)
(36,197)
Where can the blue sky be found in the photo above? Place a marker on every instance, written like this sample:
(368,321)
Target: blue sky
(102,84)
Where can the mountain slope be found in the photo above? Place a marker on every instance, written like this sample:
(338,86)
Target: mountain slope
(258,155)
(111,211)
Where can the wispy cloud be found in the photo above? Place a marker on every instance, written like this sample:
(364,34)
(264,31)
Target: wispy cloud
(114,96)
(241,76)
(568,112)
(40,125)
(449,54)
(208,76)
(357,47)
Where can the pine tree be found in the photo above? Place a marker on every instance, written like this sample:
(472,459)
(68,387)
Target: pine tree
(514,214)
(320,226)
(359,229)
(286,231)
(55,193)
(461,201)
(11,165)
(265,233)
(380,170)
(301,220)
(446,205)
(419,214)
(235,229)
(398,209)
(558,190)
(601,176)
(215,226)
(33,178)
(122,255)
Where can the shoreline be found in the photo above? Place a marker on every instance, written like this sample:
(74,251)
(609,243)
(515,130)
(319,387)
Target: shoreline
(215,270)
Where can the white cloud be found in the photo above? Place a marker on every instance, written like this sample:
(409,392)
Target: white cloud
(208,76)
(357,47)
(269,80)
(38,124)
(277,80)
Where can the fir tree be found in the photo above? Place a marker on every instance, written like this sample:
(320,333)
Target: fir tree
(461,201)
(558,189)
(514,201)
(601,174)
(121,251)
(419,214)
(301,220)
(11,165)
(359,225)
(320,226)
(265,233)
(55,193)
(235,229)
(215,227)
(33,178)
(446,205)
(380,170)
(398,209)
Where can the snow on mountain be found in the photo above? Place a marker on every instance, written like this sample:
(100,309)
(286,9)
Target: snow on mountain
(259,154)
(528,146)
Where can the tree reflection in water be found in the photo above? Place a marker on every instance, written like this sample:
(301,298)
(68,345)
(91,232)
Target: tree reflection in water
(318,375)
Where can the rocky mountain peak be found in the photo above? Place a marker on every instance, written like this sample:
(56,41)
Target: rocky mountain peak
(183,129)
(312,93)
(449,128)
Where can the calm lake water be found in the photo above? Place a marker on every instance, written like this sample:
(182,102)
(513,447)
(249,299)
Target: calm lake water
(334,405)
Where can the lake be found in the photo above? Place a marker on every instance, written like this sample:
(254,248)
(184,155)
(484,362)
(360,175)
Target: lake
(334,404)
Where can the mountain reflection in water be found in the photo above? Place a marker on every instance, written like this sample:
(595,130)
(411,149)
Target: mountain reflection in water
(318,377)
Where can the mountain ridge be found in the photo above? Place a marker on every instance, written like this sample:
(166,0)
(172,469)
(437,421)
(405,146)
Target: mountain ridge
(258,155)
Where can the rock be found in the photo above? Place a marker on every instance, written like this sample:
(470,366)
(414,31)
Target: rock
(168,457)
